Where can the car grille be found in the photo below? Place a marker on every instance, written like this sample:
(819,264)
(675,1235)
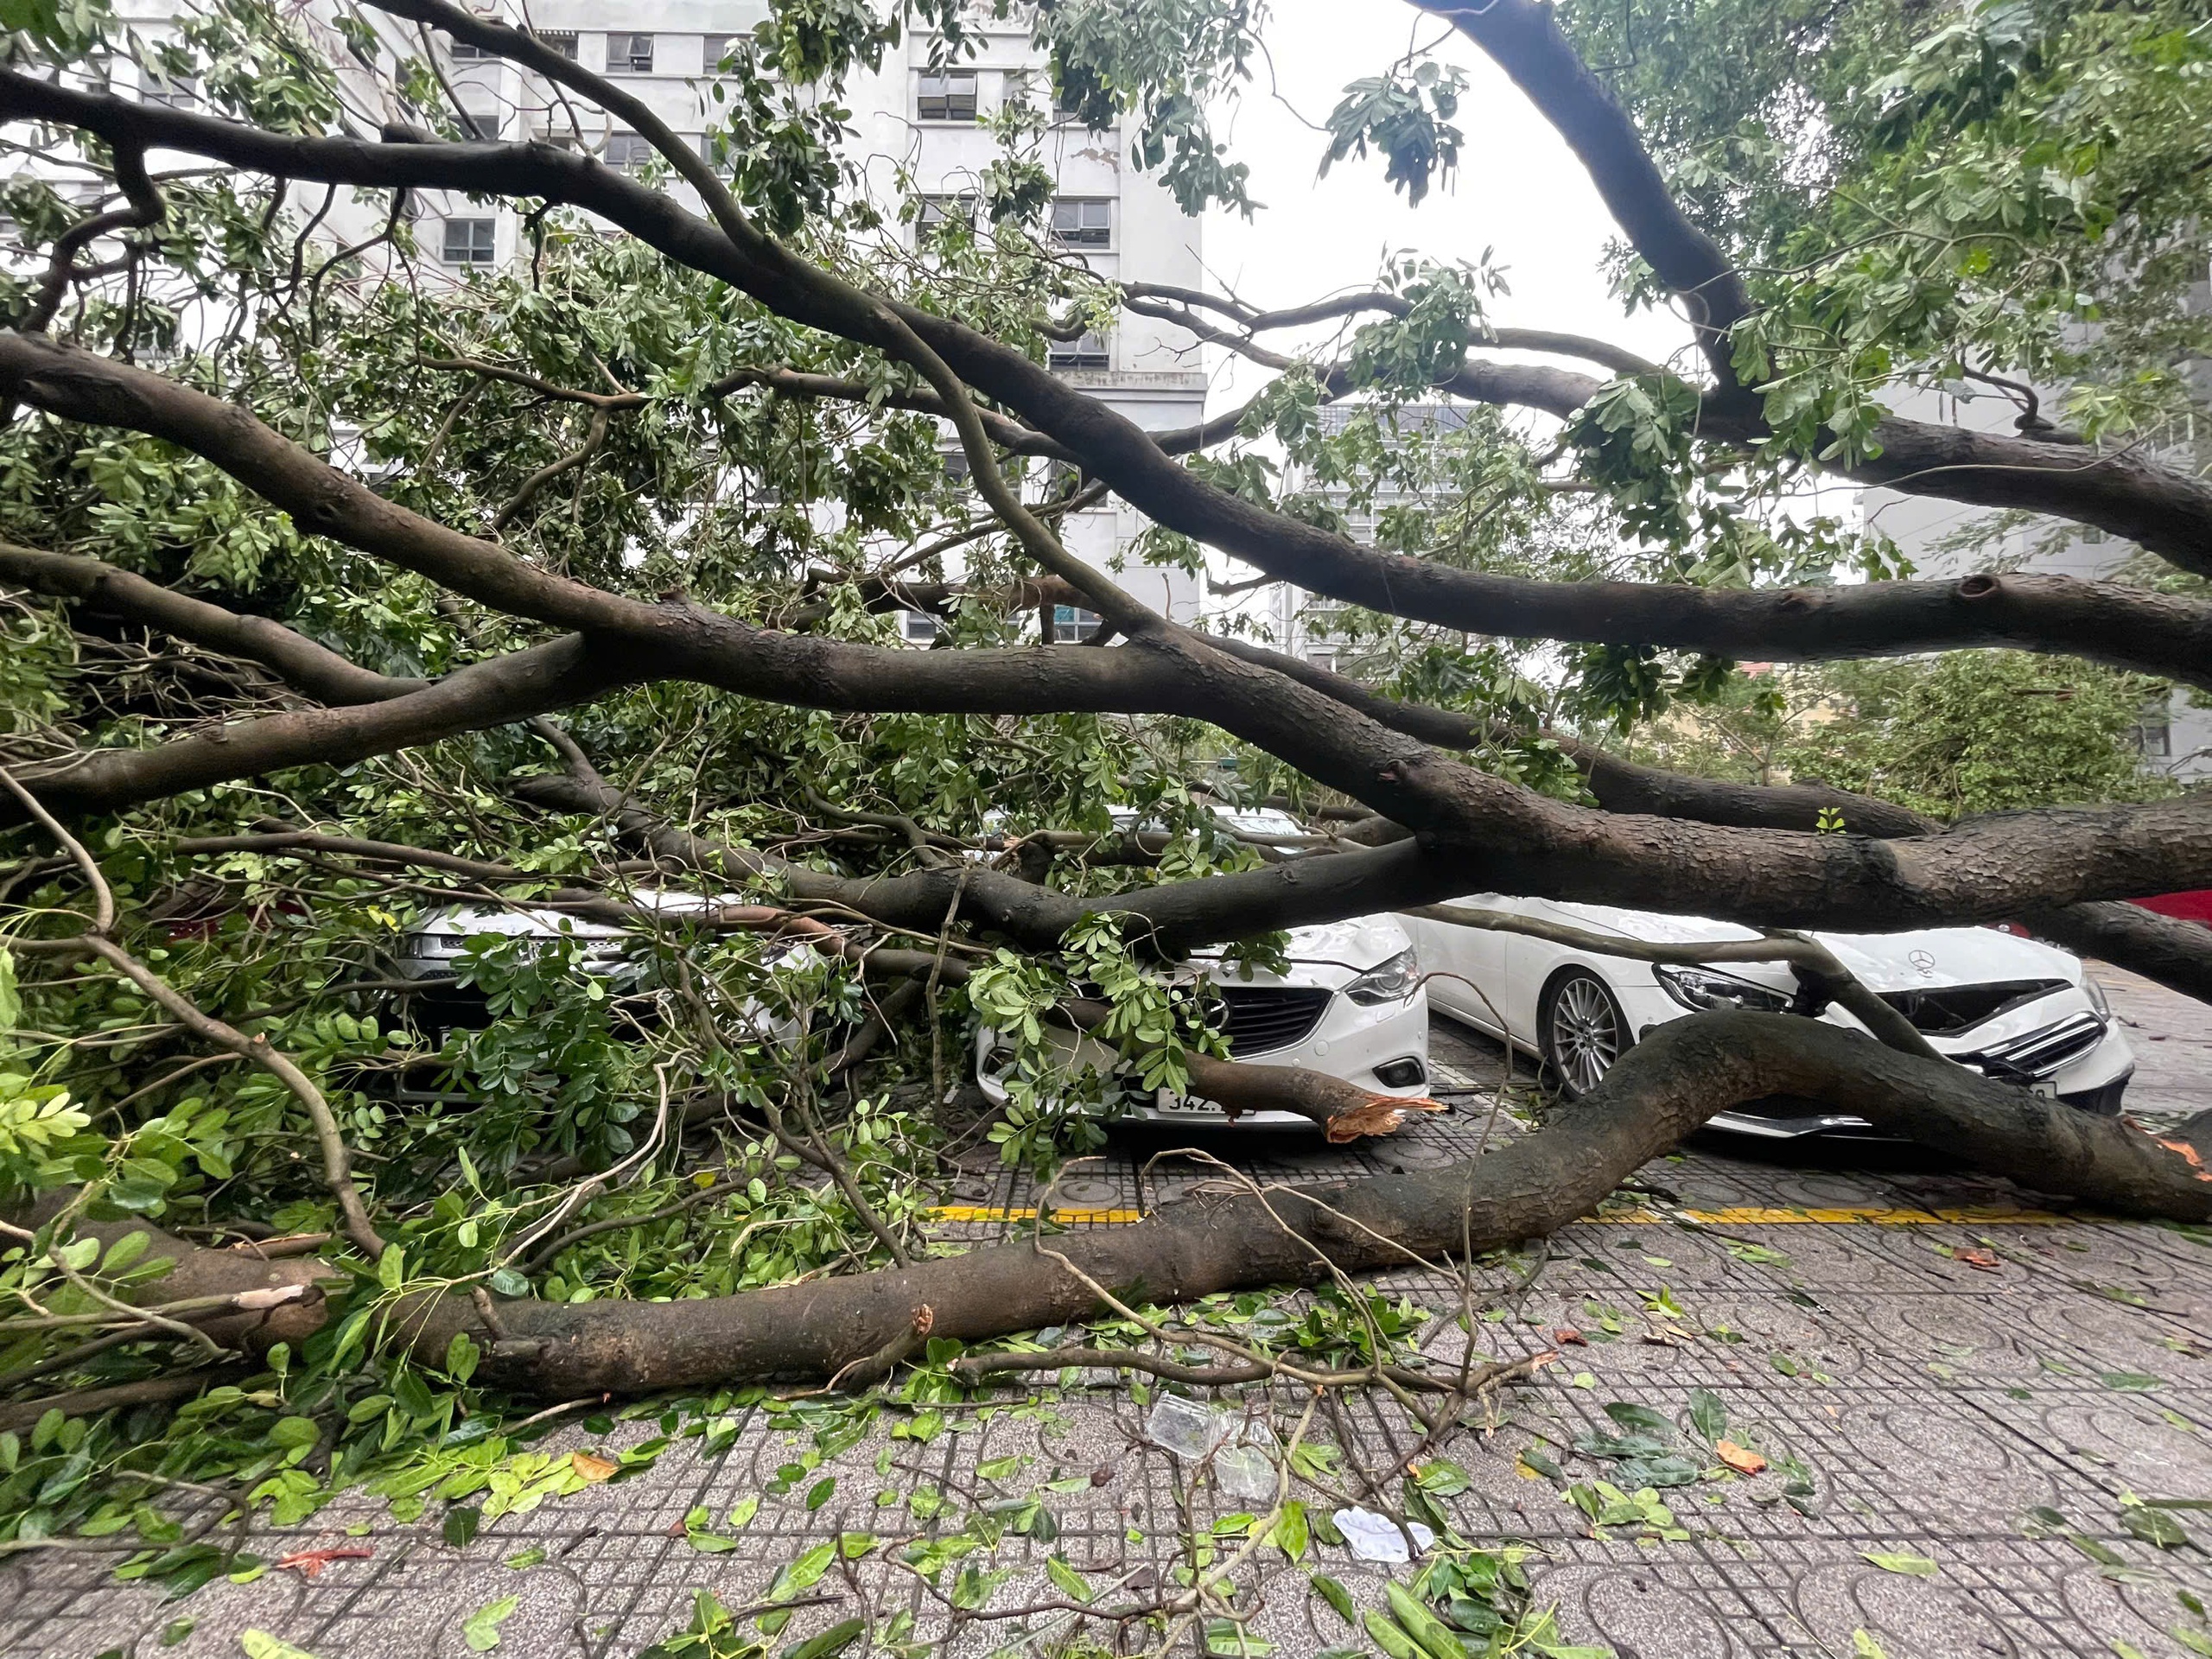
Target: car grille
(1945,1010)
(2040,1053)
(1258,1017)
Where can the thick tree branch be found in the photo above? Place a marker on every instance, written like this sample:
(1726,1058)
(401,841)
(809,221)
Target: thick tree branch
(1524,38)
(314,669)
(1660,1091)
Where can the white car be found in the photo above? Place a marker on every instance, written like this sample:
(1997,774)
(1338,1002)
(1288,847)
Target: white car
(1352,1005)
(1995,1002)
(439,939)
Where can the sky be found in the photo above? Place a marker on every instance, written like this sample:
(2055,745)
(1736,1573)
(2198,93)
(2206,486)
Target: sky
(1518,191)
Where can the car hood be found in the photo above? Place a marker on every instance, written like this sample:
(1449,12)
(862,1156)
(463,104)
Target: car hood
(539,922)
(1330,956)
(1882,962)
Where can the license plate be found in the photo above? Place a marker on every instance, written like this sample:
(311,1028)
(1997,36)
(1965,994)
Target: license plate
(1181,1104)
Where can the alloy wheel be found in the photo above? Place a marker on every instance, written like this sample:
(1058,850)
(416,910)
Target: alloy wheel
(1586,1033)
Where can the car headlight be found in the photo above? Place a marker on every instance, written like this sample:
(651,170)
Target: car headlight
(1707,988)
(2095,992)
(1386,981)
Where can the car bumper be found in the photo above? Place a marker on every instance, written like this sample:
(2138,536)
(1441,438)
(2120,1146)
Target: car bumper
(1349,1042)
(2095,1084)
(2091,1083)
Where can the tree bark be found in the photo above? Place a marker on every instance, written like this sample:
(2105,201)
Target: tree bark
(1528,1187)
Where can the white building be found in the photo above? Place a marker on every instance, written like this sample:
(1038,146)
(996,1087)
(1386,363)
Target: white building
(907,118)
(1946,540)
(1304,624)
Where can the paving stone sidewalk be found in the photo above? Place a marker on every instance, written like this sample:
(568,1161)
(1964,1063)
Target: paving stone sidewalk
(1950,1367)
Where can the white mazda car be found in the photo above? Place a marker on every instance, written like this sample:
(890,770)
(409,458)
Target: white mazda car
(1995,1002)
(1351,1004)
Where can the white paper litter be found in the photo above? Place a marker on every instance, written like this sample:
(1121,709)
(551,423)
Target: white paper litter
(1374,1537)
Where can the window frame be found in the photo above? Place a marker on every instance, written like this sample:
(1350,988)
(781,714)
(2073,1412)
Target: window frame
(709,60)
(935,210)
(629,57)
(1072,625)
(473,223)
(1087,239)
(1072,355)
(639,152)
(157,89)
(945,78)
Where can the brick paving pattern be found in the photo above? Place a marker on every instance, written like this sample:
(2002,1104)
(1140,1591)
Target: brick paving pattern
(1935,1404)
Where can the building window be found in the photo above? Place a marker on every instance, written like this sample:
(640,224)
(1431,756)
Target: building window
(940,211)
(1084,223)
(918,627)
(2092,536)
(470,241)
(170,91)
(958,471)
(1072,625)
(628,151)
(948,95)
(563,40)
(466,51)
(715,49)
(629,54)
(2153,733)
(1089,350)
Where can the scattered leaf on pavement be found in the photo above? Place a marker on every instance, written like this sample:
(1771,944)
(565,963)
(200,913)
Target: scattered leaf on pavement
(1741,1458)
(310,1563)
(480,1630)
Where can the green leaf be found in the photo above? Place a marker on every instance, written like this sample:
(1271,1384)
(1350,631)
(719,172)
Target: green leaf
(259,1644)
(1443,1478)
(1709,1416)
(834,1640)
(803,1573)
(1337,1596)
(1071,1582)
(818,1494)
(2131,1382)
(461,1355)
(480,1630)
(462,1525)
(391,1267)
(1291,1533)
(1913,1567)
(1641,1419)
(2152,1526)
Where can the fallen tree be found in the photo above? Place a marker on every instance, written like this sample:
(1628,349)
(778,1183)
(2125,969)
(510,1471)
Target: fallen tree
(295,588)
(1528,1187)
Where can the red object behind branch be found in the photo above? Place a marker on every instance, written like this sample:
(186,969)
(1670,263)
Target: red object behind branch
(2189,907)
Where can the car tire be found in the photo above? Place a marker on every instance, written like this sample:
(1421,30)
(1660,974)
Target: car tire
(1581,1030)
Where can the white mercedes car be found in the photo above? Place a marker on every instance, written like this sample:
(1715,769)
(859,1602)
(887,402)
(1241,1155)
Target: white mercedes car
(1351,1004)
(1993,1001)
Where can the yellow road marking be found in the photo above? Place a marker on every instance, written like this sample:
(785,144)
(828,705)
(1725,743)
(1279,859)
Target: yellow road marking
(1743,1216)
